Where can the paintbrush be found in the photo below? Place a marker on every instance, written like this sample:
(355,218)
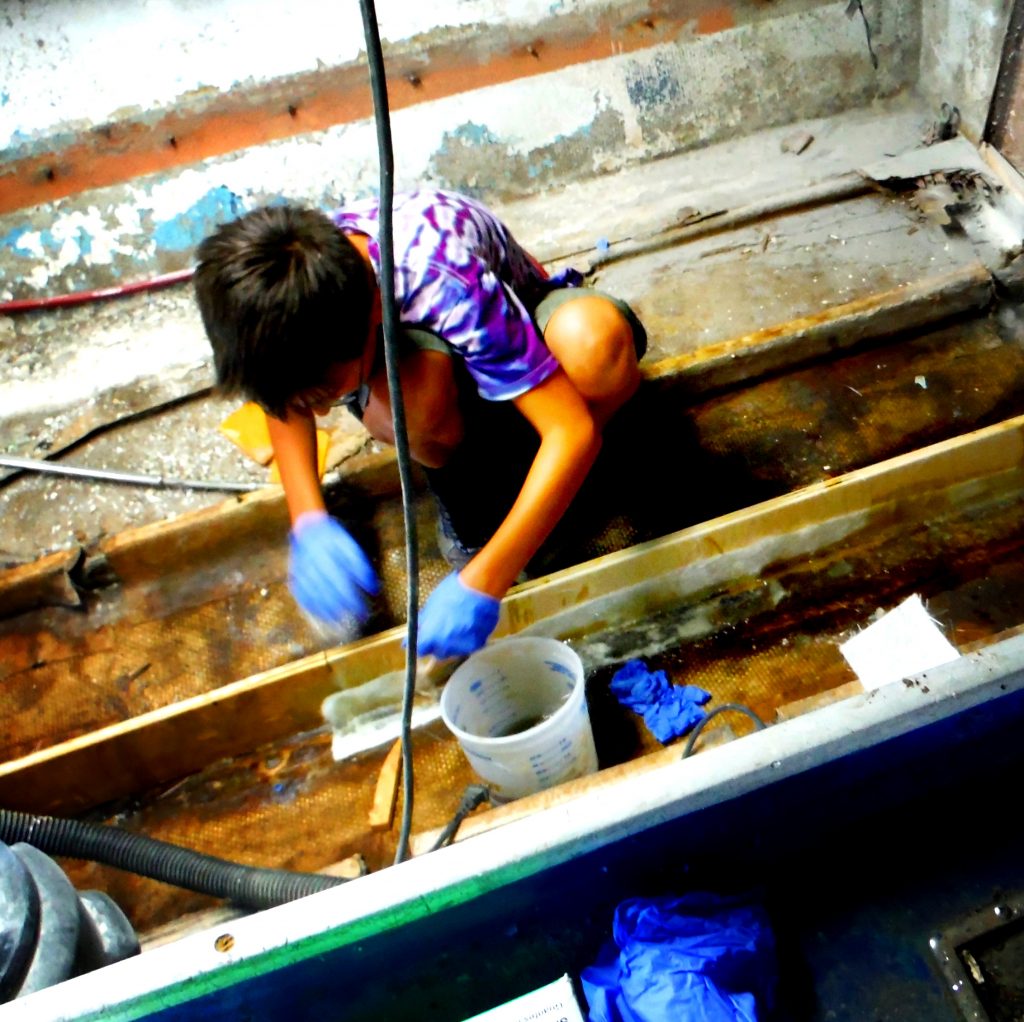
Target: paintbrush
(372,707)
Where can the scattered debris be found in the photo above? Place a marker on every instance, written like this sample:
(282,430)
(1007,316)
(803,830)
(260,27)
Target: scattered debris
(688,215)
(932,202)
(947,127)
(797,142)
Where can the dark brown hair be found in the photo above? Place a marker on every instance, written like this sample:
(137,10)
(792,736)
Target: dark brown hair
(284,295)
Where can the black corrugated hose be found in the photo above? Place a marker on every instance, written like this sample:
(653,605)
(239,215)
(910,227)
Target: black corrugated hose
(246,886)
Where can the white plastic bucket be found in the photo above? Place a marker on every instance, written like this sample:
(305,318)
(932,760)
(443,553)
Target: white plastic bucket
(518,708)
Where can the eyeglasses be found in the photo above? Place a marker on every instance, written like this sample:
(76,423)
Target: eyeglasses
(327,396)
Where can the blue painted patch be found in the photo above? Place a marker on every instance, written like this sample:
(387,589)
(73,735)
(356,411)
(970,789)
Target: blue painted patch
(13,237)
(84,241)
(23,144)
(474,134)
(51,245)
(654,86)
(536,169)
(5,97)
(187,229)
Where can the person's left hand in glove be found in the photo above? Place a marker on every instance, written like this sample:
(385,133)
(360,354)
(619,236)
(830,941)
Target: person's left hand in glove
(456,620)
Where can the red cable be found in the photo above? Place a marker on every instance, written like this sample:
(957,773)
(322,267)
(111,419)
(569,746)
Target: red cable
(81,297)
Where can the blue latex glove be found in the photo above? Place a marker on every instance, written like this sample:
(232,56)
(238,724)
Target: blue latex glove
(699,956)
(328,573)
(456,620)
(668,710)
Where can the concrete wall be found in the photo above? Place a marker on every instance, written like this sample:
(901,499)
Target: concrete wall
(133,128)
(961,47)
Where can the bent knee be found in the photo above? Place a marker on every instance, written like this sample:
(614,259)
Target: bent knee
(593,343)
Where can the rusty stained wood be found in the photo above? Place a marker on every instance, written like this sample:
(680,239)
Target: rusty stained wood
(142,554)
(43,583)
(886,245)
(774,282)
(177,740)
(836,328)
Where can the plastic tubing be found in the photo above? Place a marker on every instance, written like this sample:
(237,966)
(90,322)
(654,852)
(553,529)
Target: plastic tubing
(759,724)
(20,305)
(248,886)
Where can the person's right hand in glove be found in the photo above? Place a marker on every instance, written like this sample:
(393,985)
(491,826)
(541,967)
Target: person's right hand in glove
(328,573)
(456,620)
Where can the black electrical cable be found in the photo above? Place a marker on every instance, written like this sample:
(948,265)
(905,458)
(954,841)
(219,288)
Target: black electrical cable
(378,86)
(473,796)
(248,886)
(759,724)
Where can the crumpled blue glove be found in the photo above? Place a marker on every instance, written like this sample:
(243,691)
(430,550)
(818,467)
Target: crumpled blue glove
(328,573)
(698,956)
(668,710)
(456,620)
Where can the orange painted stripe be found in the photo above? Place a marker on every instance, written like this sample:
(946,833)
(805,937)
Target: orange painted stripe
(124,151)
(716,20)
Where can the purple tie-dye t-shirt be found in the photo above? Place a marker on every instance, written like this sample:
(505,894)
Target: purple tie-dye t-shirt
(459,273)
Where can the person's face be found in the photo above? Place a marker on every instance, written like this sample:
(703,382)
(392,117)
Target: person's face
(341,380)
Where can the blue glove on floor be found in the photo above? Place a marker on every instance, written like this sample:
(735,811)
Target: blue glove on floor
(456,620)
(699,956)
(668,710)
(328,573)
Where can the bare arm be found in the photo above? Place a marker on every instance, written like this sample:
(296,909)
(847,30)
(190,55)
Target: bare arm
(294,441)
(569,442)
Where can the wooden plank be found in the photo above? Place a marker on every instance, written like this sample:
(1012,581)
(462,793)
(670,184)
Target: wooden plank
(193,539)
(176,740)
(799,707)
(837,327)
(43,583)
(382,812)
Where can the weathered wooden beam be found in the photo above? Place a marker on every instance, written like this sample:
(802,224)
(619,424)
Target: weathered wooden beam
(837,328)
(176,740)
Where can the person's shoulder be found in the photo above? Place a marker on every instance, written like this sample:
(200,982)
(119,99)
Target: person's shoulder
(442,206)
(357,211)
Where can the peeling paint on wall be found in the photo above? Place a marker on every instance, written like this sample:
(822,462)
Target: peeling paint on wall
(183,232)
(59,52)
(469,166)
(651,86)
(501,142)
